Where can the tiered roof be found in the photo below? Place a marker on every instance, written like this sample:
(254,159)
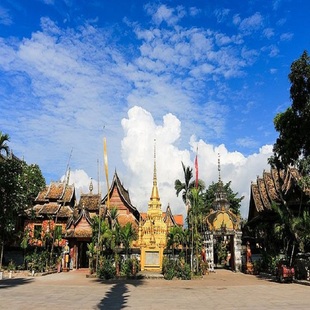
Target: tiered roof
(55,199)
(271,188)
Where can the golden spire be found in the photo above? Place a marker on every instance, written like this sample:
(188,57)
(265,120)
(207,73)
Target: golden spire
(155,195)
(219,166)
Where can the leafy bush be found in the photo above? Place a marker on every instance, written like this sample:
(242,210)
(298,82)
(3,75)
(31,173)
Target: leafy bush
(106,269)
(176,269)
(129,267)
(37,261)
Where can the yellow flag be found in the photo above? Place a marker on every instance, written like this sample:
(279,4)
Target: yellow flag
(105,157)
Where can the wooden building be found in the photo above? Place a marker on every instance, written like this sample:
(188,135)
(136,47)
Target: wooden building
(46,220)
(276,187)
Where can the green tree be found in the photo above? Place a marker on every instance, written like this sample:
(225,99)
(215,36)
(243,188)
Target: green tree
(128,234)
(4,138)
(19,184)
(232,197)
(292,147)
(293,125)
(186,186)
(175,238)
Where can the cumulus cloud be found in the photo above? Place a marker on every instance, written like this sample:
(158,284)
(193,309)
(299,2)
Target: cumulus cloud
(66,88)
(140,130)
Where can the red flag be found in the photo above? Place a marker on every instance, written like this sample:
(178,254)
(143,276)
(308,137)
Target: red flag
(196,168)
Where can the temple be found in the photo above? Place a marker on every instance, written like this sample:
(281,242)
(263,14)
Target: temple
(153,231)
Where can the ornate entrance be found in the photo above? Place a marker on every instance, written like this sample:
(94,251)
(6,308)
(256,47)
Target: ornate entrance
(222,239)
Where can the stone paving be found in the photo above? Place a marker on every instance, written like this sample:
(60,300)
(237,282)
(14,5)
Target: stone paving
(221,290)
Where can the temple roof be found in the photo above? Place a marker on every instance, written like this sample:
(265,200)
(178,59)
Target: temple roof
(77,216)
(91,202)
(271,187)
(50,209)
(56,191)
(123,194)
(55,199)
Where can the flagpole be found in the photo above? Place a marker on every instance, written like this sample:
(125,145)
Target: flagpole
(196,168)
(105,157)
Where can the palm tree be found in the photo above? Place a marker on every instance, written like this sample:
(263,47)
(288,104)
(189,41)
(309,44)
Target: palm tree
(185,186)
(113,217)
(3,146)
(128,234)
(175,238)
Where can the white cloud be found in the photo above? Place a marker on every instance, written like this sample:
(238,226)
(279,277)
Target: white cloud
(70,87)
(140,130)
(164,14)
(268,33)
(252,23)
(5,17)
(193,11)
(288,36)
(221,14)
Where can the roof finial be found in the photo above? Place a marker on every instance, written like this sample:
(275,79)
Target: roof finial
(219,166)
(91,187)
(155,174)
(155,194)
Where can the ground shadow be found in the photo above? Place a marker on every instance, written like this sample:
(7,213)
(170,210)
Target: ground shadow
(117,297)
(7,283)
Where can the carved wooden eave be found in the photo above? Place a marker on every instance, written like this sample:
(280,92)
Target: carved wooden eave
(271,188)
(56,191)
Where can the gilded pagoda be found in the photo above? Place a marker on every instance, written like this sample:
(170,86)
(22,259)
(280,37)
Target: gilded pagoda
(153,231)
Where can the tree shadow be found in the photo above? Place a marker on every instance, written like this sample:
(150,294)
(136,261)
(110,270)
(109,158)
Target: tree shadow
(116,298)
(7,283)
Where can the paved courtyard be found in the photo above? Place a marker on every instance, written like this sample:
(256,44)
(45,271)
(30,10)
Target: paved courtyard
(220,290)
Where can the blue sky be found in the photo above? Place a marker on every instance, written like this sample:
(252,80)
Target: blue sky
(206,74)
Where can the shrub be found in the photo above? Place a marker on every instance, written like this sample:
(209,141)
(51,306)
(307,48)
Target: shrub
(176,269)
(106,269)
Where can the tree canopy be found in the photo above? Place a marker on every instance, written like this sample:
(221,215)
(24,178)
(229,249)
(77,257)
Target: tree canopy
(293,125)
(19,185)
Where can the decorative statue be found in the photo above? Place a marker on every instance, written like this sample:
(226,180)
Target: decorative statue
(66,251)
(248,253)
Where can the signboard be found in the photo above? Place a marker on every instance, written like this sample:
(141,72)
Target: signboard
(152,258)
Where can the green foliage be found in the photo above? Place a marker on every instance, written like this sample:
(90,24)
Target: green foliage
(293,125)
(209,197)
(176,269)
(126,268)
(128,234)
(38,261)
(106,269)
(267,263)
(19,184)
(11,265)
(175,238)
(188,184)
(4,148)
